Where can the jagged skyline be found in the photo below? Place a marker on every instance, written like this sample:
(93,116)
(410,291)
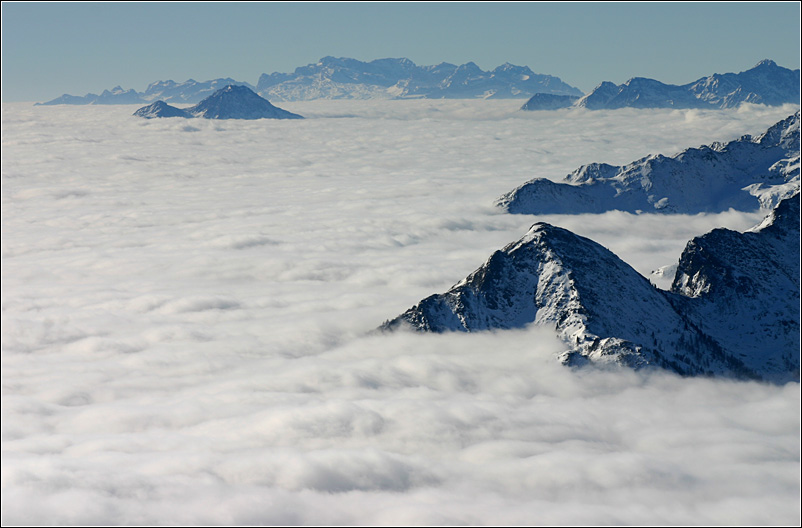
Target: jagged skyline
(78,47)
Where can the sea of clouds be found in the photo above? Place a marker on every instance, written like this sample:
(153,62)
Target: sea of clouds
(187,308)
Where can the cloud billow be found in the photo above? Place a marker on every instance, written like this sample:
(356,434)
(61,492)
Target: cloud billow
(186,331)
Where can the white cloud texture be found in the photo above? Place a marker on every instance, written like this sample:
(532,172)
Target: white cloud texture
(186,308)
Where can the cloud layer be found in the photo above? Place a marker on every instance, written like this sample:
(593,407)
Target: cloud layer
(186,313)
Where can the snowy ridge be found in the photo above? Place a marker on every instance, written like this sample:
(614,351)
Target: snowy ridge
(161,109)
(343,78)
(231,102)
(744,174)
(238,102)
(742,289)
(607,313)
(190,91)
(765,83)
(187,92)
(114,96)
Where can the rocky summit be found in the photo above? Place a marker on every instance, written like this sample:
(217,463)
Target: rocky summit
(607,313)
(745,174)
(344,78)
(391,78)
(231,102)
(544,101)
(238,102)
(161,109)
(742,290)
(766,83)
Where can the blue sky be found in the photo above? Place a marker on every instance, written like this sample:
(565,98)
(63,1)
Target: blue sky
(55,48)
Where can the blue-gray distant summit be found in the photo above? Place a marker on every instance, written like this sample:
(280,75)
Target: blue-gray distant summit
(238,102)
(161,109)
(765,83)
(231,102)
(343,78)
(544,101)
(188,92)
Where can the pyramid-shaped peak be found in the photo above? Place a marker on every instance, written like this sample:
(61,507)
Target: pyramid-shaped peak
(238,102)
(232,92)
(766,63)
(234,88)
(542,227)
(231,102)
(537,230)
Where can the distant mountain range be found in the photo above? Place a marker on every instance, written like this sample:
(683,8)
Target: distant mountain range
(733,308)
(231,102)
(766,83)
(342,78)
(744,174)
(338,78)
(187,92)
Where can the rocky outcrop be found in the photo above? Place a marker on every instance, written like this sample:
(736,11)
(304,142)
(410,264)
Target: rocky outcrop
(161,109)
(542,101)
(745,174)
(733,310)
(765,83)
(343,78)
(231,102)
(238,102)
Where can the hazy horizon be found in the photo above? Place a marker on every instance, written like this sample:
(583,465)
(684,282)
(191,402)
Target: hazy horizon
(50,49)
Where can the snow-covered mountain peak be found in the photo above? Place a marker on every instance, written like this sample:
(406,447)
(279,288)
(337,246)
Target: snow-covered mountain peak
(230,102)
(765,63)
(766,83)
(745,174)
(341,78)
(784,133)
(161,84)
(238,102)
(160,109)
(733,309)
(232,89)
(345,78)
(783,221)
(742,290)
